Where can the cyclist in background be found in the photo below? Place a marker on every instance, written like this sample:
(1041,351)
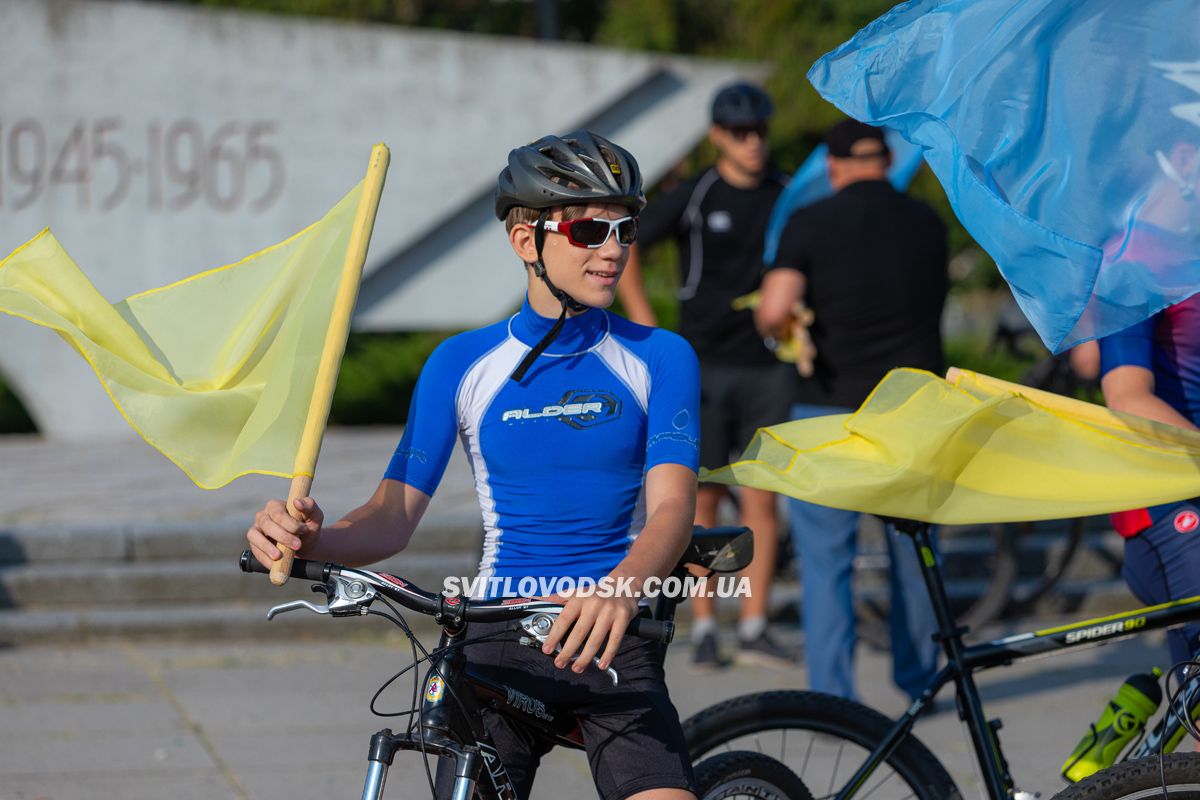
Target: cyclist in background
(582,432)
(1153,370)
(719,219)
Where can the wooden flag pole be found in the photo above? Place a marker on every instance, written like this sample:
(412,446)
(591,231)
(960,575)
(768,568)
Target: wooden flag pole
(335,346)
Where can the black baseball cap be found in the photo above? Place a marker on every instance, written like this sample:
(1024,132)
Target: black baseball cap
(741,104)
(843,136)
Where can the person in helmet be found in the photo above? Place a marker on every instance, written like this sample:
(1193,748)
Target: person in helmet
(581,429)
(718,220)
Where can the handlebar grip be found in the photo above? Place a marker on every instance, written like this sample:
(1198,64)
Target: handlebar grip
(302,568)
(656,630)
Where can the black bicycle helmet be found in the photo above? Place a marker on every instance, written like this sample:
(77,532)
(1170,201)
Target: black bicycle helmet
(741,104)
(577,168)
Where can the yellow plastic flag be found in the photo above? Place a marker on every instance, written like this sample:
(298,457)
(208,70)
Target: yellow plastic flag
(973,450)
(227,372)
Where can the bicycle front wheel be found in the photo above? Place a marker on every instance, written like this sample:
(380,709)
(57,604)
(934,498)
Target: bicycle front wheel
(741,774)
(1142,779)
(824,740)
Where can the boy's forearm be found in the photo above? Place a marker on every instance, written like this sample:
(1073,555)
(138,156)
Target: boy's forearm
(376,530)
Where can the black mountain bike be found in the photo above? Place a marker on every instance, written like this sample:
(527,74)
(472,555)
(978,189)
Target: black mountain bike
(843,749)
(446,721)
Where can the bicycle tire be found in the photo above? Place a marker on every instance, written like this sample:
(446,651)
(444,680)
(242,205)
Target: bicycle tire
(1141,780)
(745,774)
(833,737)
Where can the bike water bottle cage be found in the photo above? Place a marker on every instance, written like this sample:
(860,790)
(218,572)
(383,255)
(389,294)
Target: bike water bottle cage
(593,232)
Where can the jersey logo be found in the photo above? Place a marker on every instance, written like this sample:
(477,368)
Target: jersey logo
(720,222)
(578,408)
(1186,521)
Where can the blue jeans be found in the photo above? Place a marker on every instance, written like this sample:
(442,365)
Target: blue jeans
(825,541)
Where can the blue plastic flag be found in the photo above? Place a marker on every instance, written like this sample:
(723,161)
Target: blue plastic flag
(1066,135)
(811,183)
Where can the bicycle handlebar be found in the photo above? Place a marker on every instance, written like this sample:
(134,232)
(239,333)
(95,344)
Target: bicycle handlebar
(457,608)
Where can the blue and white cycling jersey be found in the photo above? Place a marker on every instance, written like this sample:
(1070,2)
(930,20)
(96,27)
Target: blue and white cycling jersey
(559,459)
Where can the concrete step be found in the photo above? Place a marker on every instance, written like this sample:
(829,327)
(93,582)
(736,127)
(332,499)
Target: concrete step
(224,621)
(200,539)
(114,584)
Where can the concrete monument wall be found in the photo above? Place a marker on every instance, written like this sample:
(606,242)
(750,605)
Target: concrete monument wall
(158,141)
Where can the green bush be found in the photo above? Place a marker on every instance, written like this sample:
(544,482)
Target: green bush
(378,374)
(978,355)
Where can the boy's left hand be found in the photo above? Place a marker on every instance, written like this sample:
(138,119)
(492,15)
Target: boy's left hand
(588,623)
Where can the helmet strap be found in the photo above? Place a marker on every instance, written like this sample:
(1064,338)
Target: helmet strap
(539,266)
(568,302)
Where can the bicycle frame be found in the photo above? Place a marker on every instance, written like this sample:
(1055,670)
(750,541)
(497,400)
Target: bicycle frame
(964,661)
(451,726)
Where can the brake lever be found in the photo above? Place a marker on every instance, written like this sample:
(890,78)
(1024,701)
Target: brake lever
(345,597)
(538,627)
(296,605)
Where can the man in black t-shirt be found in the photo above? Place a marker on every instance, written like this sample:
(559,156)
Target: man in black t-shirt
(718,219)
(870,263)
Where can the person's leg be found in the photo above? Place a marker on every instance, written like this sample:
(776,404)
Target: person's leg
(760,516)
(1162,563)
(755,644)
(764,399)
(911,619)
(632,733)
(825,541)
(716,440)
(704,621)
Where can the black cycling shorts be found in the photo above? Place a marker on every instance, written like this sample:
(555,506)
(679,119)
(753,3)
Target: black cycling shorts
(631,731)
(735,401)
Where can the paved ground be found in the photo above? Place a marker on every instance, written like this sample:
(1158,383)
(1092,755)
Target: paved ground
(132,720)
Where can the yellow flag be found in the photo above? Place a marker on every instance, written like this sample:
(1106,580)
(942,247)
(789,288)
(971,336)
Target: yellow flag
(972,451)
(221,371)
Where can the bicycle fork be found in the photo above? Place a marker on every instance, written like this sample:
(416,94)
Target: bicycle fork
(467,765)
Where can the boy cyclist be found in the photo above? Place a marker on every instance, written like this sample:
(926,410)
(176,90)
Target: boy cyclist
(581,429)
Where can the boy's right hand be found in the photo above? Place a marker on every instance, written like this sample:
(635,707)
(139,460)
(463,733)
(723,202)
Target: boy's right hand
(274,524)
